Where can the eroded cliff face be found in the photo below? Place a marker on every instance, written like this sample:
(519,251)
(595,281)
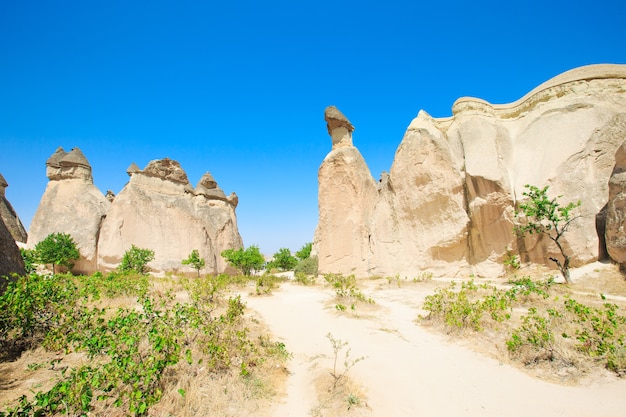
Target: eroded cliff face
(448,203)
(159,209)
(9,216)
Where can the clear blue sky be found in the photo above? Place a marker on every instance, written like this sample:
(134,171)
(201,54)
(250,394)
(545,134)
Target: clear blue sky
(239,88)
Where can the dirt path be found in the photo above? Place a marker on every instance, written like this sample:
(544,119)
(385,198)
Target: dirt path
(410,371)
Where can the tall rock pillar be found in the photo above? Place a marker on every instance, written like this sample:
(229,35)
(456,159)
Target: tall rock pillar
(346,197)
(71,204)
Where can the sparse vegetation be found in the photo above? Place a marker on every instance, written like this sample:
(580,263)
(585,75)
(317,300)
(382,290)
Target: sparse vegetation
(545,216)
(348,363)
(346,289)
(134,354)
(541,325)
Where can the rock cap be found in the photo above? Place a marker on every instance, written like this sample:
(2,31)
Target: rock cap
(334,119)
(166,169)
(74,158)
(54,159)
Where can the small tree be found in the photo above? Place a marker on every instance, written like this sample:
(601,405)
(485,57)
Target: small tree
(545,216)
(283,260)
(195,261)
(136,260)
(304,252)
(245,260)
(57,249)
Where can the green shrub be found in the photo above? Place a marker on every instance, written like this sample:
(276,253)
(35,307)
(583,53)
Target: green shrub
(136,260)
(346,287)
(195,261)
(304,279)
(30,260)
(307,266)
(132,348)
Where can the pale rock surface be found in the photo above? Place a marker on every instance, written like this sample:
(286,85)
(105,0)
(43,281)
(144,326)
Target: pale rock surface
(9,216)
(449,200)
(347,194)
(71,204)
(159,210)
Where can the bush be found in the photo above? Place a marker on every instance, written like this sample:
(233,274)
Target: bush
(30,260)
(136,260)
(307,266)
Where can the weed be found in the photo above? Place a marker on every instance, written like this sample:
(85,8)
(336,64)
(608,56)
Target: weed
(338,345)
(346,287)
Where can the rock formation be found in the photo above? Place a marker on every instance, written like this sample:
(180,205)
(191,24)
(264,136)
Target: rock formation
(159,210)
(9,216)
(448,202)
(616,210)
(71,204)
(11,261)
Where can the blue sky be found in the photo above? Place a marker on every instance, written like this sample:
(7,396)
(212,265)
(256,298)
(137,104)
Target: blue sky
(239,88)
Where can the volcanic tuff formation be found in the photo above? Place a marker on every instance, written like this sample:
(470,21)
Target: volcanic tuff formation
(158,209)
(9,216)
(11,229)
(448,202)
(71,204)
(10,258)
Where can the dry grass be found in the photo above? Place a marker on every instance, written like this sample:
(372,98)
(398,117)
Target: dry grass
(347,398)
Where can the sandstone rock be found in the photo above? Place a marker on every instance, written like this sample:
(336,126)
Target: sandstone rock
(347,193)
(339,127)
(159,210)
(616,209)
(71,204)
(448,203)
(11,261)
(9,216)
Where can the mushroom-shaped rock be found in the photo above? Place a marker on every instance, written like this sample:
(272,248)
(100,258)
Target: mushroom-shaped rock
(166,169)
(74,158)
(132,169)
(339,127)
(207,186)
(71,204)
(68,165)
(207,181)
(54,159)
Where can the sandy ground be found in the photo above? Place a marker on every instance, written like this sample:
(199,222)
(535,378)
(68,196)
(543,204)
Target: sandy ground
(408,370)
